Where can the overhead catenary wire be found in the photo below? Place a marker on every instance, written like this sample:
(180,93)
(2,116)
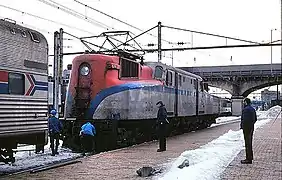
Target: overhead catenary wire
(210,34)
(76,14)
(45,19)
(117,19)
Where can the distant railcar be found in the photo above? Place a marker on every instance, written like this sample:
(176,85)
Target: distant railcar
(23,88)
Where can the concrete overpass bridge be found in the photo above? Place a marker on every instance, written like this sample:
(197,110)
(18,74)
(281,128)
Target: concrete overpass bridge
(239,80)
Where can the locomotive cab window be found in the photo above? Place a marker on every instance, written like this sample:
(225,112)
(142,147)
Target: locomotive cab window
(158,72)
(16,83)
(129,69)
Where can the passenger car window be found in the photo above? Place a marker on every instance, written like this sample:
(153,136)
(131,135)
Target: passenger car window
(16,83)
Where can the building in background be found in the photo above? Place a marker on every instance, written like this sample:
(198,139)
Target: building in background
(268,97)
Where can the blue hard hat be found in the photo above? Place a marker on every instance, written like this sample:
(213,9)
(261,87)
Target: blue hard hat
(53,112)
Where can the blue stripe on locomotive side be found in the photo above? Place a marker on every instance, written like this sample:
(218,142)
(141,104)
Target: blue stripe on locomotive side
(4,88)
(130,86)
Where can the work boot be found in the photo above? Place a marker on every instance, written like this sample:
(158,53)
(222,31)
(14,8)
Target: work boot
(246,161)
(160,150)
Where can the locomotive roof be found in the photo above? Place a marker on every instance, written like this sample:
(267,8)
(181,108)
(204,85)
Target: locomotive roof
(156,64)
(174,69)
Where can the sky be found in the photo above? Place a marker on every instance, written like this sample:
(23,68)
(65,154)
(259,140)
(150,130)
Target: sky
(250,20)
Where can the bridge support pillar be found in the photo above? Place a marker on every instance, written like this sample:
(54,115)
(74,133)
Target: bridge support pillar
(237,105)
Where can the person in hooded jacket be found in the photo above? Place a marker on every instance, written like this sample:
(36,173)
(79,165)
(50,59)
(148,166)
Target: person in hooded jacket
(162,121)
(87,134)
(54,127)
(248,120)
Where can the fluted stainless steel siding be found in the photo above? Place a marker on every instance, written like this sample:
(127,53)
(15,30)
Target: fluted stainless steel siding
(19,114)
(22,114)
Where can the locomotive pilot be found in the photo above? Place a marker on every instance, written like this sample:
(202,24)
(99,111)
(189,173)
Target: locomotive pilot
(162,121)
(55,128)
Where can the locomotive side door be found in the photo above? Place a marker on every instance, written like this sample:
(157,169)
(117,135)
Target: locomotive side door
(176,94)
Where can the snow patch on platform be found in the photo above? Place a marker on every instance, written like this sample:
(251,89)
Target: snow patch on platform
(28,159)
(210,160)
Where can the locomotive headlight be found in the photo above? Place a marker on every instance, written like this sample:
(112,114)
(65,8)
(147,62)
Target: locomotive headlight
(84,70)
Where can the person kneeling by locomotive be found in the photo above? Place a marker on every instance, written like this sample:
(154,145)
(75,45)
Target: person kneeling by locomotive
(55,128)
(87,134)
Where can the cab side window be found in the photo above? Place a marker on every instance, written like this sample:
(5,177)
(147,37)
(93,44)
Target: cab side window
(158,72)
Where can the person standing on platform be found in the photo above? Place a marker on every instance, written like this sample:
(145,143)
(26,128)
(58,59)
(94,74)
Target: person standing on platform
(55,127)
(162,121)
(248,120)
(87,134)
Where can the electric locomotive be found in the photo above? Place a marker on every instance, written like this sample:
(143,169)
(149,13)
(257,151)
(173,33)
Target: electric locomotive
(118,93)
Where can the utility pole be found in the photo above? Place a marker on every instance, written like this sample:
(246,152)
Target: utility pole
(58,66)
(172,58)
(55,74)
(159,42)
(277,98)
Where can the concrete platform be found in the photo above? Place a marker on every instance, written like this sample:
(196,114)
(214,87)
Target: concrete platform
(122,164)
(267,163)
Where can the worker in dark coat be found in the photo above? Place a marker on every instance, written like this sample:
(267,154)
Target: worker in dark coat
(55,128)
(248,120)
(87,134)
(162,121)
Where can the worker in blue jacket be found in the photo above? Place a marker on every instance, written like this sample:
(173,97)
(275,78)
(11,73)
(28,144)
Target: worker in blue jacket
(54,127)
(87,134)
(248,120)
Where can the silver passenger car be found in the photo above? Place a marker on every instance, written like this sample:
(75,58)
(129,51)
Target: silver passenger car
(23,88)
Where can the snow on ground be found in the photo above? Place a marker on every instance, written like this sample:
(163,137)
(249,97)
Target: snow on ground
(210,160)
(227,119)
(28,159)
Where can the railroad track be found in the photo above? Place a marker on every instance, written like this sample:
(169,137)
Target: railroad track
(44,167)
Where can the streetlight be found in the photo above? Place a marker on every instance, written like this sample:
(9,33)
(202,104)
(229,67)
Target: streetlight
(271,48)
